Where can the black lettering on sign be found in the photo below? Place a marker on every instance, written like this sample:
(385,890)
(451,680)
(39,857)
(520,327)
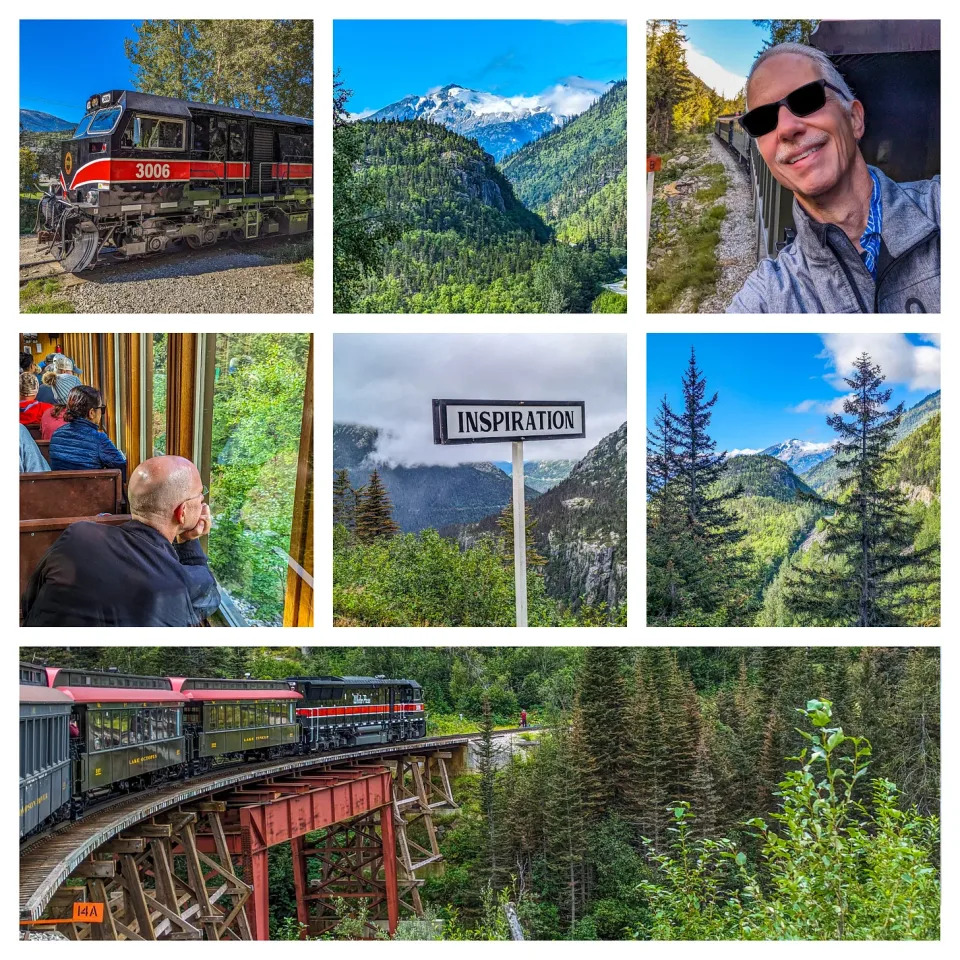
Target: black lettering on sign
(460,415)
(499,418)
(531,423)
(517,420)
(568,416)
(485,421)
(471,422)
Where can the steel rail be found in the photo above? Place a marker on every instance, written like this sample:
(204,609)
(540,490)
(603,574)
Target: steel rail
(44,870)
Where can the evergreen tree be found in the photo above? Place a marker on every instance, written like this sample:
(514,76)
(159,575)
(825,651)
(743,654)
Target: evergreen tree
(603,704)
(359,230)
(374,512)
(668,79)
(872,531)
(668,551)
(695,529)
(487,769)
(505,523)
(344,503)
(787,31)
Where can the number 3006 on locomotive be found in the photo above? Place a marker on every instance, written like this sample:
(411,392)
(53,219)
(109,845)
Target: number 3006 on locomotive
(142,173)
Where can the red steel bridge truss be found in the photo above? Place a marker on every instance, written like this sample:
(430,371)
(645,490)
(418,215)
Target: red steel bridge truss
(189,861)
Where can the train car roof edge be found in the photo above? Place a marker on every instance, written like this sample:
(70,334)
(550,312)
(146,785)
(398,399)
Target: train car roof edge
(136,100)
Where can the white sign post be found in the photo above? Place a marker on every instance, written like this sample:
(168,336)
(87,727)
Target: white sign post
(513,421)
(519,535)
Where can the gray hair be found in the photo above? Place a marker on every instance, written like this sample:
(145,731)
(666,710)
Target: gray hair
(827,70)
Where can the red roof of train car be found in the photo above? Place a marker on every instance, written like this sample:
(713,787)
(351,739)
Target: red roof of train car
(240,693)
(120,695)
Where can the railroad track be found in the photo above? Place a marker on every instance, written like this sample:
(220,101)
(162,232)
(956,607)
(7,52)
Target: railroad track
(48,859)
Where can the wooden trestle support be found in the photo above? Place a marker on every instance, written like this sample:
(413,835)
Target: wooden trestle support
(421,785)
(201,871)
(157,884)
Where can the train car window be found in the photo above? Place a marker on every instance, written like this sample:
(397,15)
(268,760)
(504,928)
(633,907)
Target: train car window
(154,133)
(159,424)
(104,121)
(218,139)
(295,147)
(237,139)
(82,126)
(201,135)
(255,442)
(221,716)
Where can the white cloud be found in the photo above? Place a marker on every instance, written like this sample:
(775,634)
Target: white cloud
(388,381)
(727,83)
(745,452)
(363,114)
(917,366)
(819,406)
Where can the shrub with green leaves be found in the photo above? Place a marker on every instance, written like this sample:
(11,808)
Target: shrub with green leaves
(832,866)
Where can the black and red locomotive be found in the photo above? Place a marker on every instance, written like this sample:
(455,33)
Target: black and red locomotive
(144,172)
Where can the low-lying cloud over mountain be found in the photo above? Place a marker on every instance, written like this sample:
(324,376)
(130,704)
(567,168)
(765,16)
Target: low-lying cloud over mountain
(389,380)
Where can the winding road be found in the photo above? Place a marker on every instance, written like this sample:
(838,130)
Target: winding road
(618,287)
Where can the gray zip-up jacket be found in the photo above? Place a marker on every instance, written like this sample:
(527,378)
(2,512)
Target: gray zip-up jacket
(822,272)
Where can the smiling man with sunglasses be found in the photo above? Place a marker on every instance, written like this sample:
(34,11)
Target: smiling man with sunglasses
(863,244)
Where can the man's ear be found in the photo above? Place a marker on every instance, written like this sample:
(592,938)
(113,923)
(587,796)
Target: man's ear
(857,120)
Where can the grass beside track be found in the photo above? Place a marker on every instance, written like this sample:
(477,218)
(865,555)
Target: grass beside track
(40,296)
(688,271)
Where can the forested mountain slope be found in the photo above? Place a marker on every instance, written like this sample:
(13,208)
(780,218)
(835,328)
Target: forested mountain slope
(499,124)
(776,509)
(915,470)
(580,527)
(575,176)
(423,495)
(467,244)
(823,477)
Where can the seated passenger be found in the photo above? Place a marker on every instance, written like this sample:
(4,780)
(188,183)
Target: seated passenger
(61,367)
(31,459)
(52,419)
(80,444)
(27,364)
(47,380)
(31,409)
(150,572)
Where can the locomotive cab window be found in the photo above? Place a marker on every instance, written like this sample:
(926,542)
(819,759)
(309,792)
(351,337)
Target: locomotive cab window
(153,133)
(103,122)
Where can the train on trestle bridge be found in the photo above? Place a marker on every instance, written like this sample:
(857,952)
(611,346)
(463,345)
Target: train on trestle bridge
(87,735)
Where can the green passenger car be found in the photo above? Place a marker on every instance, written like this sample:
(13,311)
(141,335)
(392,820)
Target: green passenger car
(231,719)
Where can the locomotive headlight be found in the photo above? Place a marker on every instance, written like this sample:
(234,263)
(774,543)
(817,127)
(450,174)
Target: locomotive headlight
(106,98)
(94,102)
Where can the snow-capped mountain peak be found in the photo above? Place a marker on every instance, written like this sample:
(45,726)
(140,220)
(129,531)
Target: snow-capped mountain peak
(799,455)
(500,124)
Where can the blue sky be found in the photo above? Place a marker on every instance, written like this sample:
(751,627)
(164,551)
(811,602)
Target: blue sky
(720,52)
(385,60)
(46,84)
(774,387)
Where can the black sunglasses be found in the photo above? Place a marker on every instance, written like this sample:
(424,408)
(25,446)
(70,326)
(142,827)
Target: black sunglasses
(801,103)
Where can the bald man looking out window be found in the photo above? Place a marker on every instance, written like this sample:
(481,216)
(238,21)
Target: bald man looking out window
(149,572)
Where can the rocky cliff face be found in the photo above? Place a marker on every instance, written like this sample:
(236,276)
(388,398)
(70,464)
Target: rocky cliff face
(582,527)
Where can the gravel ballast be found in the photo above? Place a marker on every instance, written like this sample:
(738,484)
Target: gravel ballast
(226,278)
(736,251)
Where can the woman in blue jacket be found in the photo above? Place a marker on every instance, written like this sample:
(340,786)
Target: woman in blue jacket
(81,444)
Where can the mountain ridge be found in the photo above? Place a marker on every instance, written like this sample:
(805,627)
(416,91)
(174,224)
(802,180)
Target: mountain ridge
(499,124)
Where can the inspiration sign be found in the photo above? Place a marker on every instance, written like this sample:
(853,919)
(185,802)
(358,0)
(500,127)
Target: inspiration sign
(502,421)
